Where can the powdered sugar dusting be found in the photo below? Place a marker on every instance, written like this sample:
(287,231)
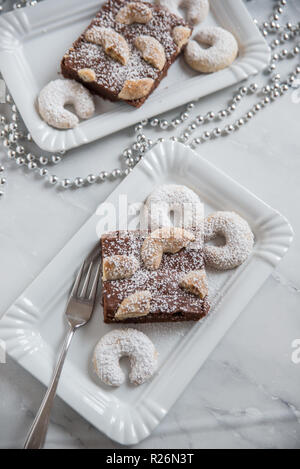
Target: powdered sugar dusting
(238,236)
(160,332)
(197,10)
(134,12)
(134,306)
(185,204)
(120,343)
(113,43)
(110,73)
(118,267)
(153,52)
(167,296)
(56,95)
(221,54)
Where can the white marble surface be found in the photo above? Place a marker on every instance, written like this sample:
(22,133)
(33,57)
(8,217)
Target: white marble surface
(247,393)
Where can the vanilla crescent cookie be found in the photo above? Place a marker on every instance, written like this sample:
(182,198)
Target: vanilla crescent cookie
(221,53)
(125,343)
(197,10)
(171,199)
(53,98)
(239,240)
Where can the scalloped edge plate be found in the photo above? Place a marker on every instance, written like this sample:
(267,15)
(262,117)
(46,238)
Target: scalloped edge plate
(129,415)
(32,24)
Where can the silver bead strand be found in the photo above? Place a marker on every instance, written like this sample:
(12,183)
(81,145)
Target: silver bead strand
(2,181)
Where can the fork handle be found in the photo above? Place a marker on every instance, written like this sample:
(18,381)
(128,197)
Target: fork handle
(37,434)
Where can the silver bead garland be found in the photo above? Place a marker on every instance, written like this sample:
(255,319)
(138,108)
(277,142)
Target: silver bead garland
(276,87)
(2,180)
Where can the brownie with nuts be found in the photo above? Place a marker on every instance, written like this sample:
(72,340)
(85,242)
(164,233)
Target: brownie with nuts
(138,290)
(126,50)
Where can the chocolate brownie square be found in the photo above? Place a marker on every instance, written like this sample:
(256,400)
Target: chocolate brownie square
(126,276)
(126,50)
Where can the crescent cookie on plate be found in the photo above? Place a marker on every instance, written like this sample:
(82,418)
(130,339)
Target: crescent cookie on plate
(222,52)
(124,343)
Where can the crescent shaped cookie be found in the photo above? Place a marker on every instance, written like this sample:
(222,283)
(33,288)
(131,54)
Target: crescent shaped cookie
(239,240)
(197,10)
(120,343)
(172,199)
(53,98)
(221,53)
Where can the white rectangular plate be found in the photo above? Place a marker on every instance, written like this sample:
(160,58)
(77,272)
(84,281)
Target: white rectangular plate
(34,40)
(34,325)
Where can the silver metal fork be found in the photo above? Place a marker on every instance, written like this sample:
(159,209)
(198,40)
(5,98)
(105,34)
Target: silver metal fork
(78,312)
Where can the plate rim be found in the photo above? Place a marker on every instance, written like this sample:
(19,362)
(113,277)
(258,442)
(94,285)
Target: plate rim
(14,25)
(135,424)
